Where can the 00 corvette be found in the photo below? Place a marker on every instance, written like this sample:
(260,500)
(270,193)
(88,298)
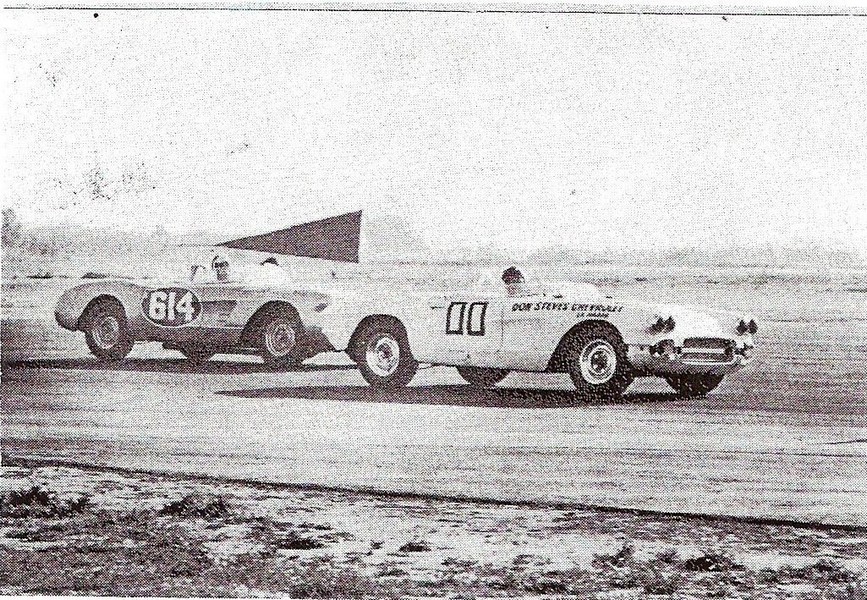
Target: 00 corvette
(602,343)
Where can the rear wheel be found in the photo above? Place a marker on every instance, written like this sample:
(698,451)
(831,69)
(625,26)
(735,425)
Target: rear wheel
(484,378)
(383,355)
(277,338)
(106,330)
(694,385)
(597,363)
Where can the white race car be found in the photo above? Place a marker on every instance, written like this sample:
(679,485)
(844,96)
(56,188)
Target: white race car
(601,342)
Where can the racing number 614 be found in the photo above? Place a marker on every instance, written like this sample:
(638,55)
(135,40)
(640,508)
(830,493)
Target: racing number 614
(171,306)
(164,306)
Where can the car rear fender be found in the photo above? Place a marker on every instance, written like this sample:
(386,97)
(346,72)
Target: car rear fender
(258,317)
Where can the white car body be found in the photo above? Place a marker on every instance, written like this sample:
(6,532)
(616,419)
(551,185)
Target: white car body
(486,328)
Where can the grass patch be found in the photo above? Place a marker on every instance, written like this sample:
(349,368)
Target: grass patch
(660,575)
(292,540)
(306,580)
(197,506)
(569,582)
(105,565)
(624,556)
(39,502)
(821,572)
(415,546)
(711,562)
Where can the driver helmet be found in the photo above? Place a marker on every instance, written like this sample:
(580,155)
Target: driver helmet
(220,265)
(512,275)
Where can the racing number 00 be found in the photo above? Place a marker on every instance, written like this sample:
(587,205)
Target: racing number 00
(466,318)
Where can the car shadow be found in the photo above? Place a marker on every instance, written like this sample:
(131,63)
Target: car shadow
(166,365)
(447,395)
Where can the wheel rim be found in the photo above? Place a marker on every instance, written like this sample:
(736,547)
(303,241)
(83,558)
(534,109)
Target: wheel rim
(279,338)
(598,362)
(383,355)
(106,332)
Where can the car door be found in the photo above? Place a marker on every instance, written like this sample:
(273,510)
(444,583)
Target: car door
(465,328)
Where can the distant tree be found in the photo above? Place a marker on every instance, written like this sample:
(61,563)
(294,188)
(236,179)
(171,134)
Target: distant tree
(12,229)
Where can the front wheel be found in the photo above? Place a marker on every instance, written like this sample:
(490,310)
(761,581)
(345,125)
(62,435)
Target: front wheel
(383,355)
(106,331)
(597,363)
(483,378)
(694,385)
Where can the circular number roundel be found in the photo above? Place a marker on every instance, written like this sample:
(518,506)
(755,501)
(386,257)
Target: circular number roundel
(171,307)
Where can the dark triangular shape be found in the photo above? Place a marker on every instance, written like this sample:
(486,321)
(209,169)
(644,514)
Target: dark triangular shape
(334,238)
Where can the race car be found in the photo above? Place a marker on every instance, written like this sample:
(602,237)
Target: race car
(254,315)
(601,342)
(198,319)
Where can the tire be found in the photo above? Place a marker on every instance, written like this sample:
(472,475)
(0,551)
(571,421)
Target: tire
(277,338)
(383,355)
(597,362)
(106,330)
(197,354)
(481,377)
(694,385)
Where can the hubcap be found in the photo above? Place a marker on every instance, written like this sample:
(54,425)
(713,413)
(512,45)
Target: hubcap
(106,332)
(279,338)
(383,355)
(598,362)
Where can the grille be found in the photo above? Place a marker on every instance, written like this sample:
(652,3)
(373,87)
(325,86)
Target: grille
(708,350)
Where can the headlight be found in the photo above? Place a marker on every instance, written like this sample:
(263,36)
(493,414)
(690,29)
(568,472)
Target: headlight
(752,326)
(663,348)
(662,325)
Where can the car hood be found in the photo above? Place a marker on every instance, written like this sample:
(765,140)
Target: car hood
(696,319)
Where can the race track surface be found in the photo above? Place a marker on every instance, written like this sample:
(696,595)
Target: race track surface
(784,439)
(729,454)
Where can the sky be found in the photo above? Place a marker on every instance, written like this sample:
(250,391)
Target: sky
(518,131)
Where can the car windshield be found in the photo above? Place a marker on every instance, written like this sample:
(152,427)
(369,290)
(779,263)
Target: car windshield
(491,283)
(488,282)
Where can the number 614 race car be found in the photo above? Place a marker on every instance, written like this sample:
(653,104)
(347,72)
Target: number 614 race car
(602,343)
(264,315)
(199,320)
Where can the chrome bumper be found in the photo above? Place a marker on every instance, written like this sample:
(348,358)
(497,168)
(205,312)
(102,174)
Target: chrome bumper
(711,356)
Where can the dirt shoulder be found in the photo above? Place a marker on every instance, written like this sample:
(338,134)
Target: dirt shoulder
(67,530)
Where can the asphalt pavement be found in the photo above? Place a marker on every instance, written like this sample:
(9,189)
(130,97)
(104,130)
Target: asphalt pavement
(763,446)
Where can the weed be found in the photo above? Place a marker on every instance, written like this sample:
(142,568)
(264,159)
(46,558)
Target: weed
(850,591)
(668,557)
(625,555)
(298,581)
(415,546)
(711,562)
(654,581)
(319,582)
(38,502)
(292,540)
(822,571)
(197,506)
